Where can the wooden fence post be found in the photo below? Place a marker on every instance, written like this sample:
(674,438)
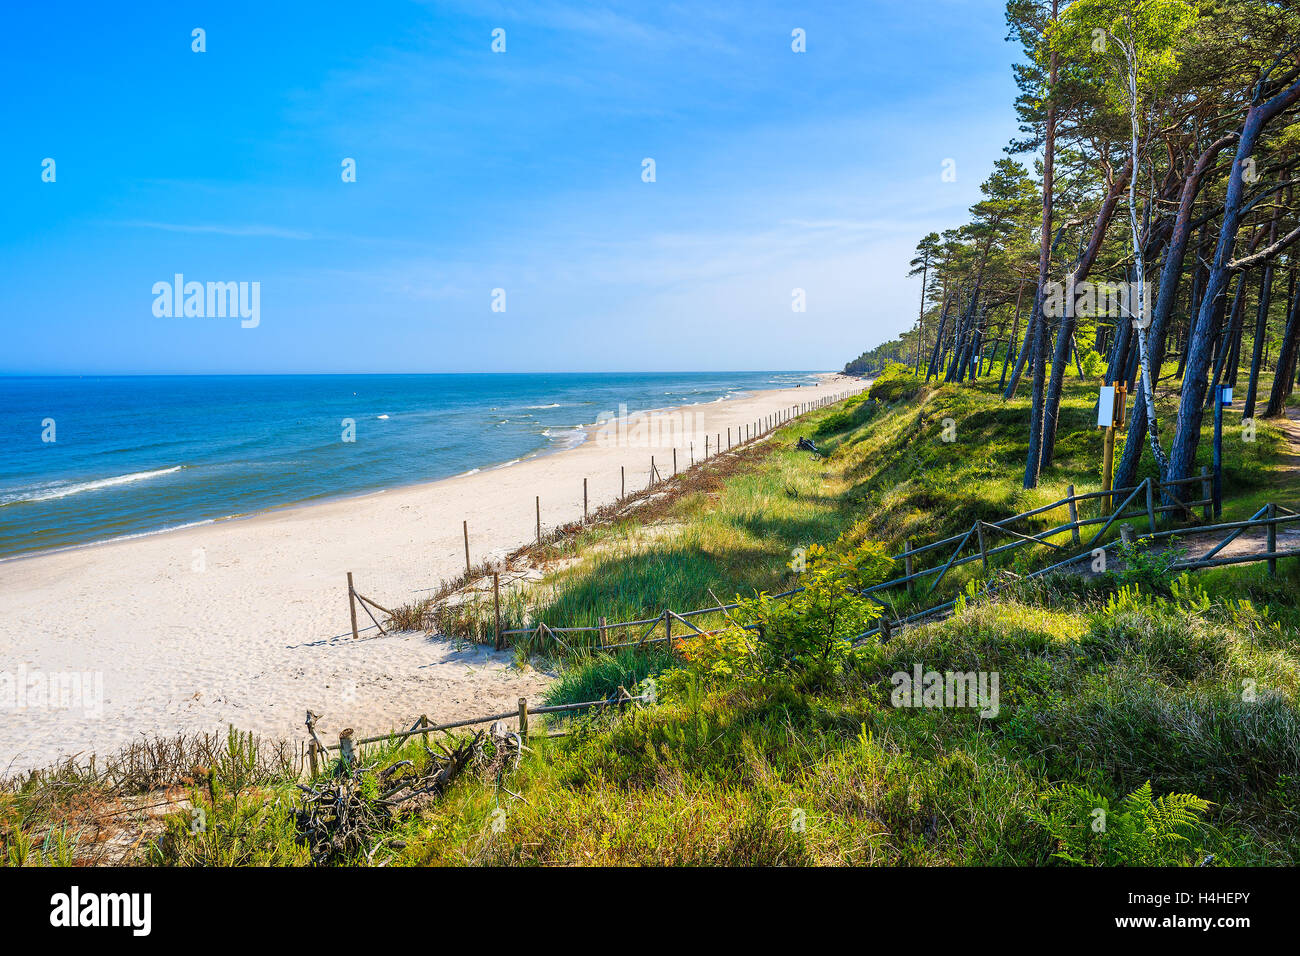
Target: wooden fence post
(1151,504)
(1272,537)
(465,527)
(346,748)
(496,608)
(728,439)
(539,519)
(602,632)
(523,719)
(706,446)
(1206,493)
(984,554)
(311,757)
(653,471)
(584,500)
(674,462)
(907,557)
(1074,516)
(424,722)
(622,482)
(352,606)
(668,629)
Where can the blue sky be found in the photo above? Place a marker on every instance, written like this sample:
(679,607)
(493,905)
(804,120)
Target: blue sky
(477,170)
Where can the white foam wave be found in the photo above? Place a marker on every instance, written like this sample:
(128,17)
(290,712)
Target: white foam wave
(50,492)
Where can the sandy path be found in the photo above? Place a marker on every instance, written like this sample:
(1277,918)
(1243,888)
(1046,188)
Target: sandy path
(246,622)
(1255,540)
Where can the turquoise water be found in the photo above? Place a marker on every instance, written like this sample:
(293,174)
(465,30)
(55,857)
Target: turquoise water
(139,454)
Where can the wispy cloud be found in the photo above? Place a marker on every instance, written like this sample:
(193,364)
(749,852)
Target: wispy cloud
(270,232)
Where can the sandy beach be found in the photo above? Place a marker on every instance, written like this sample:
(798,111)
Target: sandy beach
(246,622)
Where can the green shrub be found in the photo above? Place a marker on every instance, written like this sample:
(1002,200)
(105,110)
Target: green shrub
(895,383)
(809,632)
(1141,831)
(1148,569)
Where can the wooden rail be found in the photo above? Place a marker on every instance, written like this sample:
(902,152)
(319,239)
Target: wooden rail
(980,531)
(753,432)
(317,750)
(1268,517)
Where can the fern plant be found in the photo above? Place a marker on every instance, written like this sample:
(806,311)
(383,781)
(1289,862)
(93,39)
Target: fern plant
(1140,831)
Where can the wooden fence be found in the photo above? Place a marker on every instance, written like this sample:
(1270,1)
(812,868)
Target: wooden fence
(978,544)
(746,434)
(1269,517)
(317,751)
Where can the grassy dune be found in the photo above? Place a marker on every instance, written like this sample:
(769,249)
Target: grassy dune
(1173,710)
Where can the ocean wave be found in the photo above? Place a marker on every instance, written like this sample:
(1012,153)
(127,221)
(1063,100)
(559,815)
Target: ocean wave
(50,492)
(566,437)
(150,534)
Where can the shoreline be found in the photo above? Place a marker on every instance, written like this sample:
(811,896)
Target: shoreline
(245,621)
(550,448)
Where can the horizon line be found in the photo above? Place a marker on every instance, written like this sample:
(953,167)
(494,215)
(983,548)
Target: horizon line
(700,371)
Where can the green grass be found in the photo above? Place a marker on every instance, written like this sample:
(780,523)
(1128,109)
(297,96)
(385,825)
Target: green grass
(1098,690)
(602,676)
(1094,692)
(888,475)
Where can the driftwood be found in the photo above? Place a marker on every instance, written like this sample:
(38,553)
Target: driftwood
(350,813)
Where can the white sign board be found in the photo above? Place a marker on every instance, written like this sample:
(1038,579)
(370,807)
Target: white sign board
(1106,407)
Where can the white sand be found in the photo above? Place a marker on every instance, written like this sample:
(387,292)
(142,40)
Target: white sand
(262,632)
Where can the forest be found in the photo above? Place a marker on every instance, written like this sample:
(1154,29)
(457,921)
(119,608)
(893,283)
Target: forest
(1153,243)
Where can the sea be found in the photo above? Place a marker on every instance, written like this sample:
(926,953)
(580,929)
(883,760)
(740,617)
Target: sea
(98,458)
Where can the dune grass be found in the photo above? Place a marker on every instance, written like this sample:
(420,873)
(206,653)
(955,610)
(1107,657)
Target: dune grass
(887,474)
(1098,692)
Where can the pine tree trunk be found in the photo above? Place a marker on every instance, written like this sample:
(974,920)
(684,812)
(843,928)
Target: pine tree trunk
(1191,407)
(1038,321)
(938,339)
(1284,378)
(1065,332)
(1166,296)
(1015,334)
(1261,324)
